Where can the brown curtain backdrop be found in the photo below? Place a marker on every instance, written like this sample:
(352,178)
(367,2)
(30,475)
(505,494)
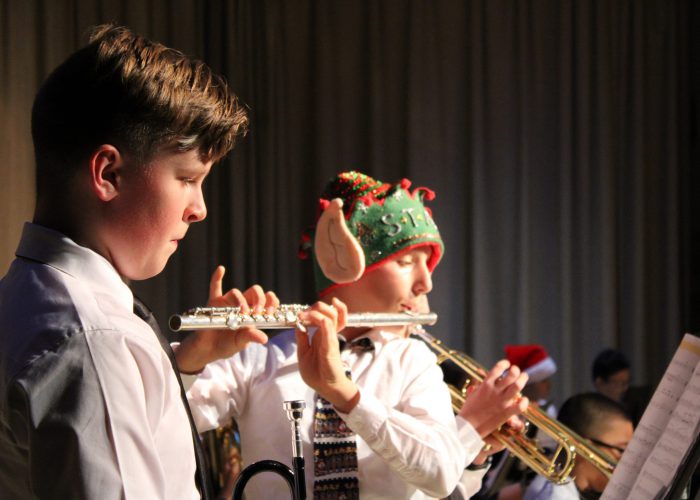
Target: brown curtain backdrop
(557,135)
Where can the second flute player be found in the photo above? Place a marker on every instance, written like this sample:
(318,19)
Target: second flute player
(385,431)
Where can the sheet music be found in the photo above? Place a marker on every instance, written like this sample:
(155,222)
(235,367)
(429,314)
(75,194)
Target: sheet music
(664,432)
(682,429)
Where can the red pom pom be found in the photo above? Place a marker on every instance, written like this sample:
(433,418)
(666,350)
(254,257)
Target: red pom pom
(428,194)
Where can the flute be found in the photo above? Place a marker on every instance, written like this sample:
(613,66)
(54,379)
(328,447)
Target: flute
(284,316)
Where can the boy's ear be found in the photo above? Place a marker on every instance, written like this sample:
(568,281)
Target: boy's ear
(106,163)
(338,253)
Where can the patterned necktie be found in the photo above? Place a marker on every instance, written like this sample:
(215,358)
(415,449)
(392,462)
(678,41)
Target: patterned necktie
(201,478)
(335,446)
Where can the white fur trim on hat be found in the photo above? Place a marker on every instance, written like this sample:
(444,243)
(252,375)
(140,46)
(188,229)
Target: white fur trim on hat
(541,371)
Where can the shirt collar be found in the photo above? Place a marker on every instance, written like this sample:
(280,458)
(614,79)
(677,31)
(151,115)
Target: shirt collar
(378,337)
(54,249)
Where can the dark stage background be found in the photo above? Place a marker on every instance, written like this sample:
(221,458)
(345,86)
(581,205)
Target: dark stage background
(561,138)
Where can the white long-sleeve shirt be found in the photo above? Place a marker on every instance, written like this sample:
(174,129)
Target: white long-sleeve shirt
(408,445)
(89,404)
(542,489)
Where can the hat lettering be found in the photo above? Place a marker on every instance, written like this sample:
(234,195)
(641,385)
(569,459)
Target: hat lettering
(386,219)
(409,212)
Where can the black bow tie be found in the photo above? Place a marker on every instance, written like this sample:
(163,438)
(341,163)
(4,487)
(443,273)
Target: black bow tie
(363,344)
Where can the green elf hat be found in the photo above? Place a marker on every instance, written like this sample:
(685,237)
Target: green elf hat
(361,222)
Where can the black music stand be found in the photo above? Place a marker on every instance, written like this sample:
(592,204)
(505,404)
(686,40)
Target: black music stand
(685,473)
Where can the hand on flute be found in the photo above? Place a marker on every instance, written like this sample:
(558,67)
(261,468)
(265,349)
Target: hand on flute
(319,354)
(205,346)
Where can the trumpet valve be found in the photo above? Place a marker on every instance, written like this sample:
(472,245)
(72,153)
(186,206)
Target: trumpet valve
(467,387)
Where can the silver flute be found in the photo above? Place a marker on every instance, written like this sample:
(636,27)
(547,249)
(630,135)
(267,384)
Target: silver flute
(284,316)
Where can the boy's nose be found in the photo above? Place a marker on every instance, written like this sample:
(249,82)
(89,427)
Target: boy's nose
(197,210)
(424,280)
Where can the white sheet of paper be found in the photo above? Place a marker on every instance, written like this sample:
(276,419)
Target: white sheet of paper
(658,471)
(646,445)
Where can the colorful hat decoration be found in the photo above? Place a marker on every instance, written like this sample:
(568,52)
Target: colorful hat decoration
(361,222)
(533,360)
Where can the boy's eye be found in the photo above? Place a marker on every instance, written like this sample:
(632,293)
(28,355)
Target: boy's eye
(193,179)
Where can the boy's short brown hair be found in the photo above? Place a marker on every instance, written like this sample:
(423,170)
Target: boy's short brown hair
(136,94)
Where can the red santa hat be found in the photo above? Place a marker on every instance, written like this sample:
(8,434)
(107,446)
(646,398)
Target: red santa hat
(533,360)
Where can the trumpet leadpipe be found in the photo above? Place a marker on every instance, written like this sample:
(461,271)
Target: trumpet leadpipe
(284,316)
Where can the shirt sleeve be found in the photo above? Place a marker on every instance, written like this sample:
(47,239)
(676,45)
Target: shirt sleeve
(55,405)
(418,437)
(470,439)
(108,409)
(219,392)
(471,481)
(469,484)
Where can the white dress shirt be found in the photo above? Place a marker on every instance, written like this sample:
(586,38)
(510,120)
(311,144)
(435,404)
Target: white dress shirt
(471,480)
(89,404)
(408,445)
(542,489)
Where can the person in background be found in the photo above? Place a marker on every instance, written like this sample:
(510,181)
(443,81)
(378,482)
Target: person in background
(534,360)
(611,374)
(605,424)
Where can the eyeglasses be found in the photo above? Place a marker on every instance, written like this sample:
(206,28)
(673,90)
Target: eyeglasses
(611,446)
(618,384)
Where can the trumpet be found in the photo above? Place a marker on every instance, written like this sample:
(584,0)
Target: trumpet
(461,371)
(284,316)
(295,477)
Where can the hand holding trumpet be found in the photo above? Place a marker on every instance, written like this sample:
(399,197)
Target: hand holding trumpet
(495,402)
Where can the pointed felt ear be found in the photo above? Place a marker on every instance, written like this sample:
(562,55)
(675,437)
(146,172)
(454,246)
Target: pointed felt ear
(338,253)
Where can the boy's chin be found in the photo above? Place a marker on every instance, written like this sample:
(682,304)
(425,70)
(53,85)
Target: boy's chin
(145,272)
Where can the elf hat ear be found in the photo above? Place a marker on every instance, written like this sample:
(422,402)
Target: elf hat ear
(338,253)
